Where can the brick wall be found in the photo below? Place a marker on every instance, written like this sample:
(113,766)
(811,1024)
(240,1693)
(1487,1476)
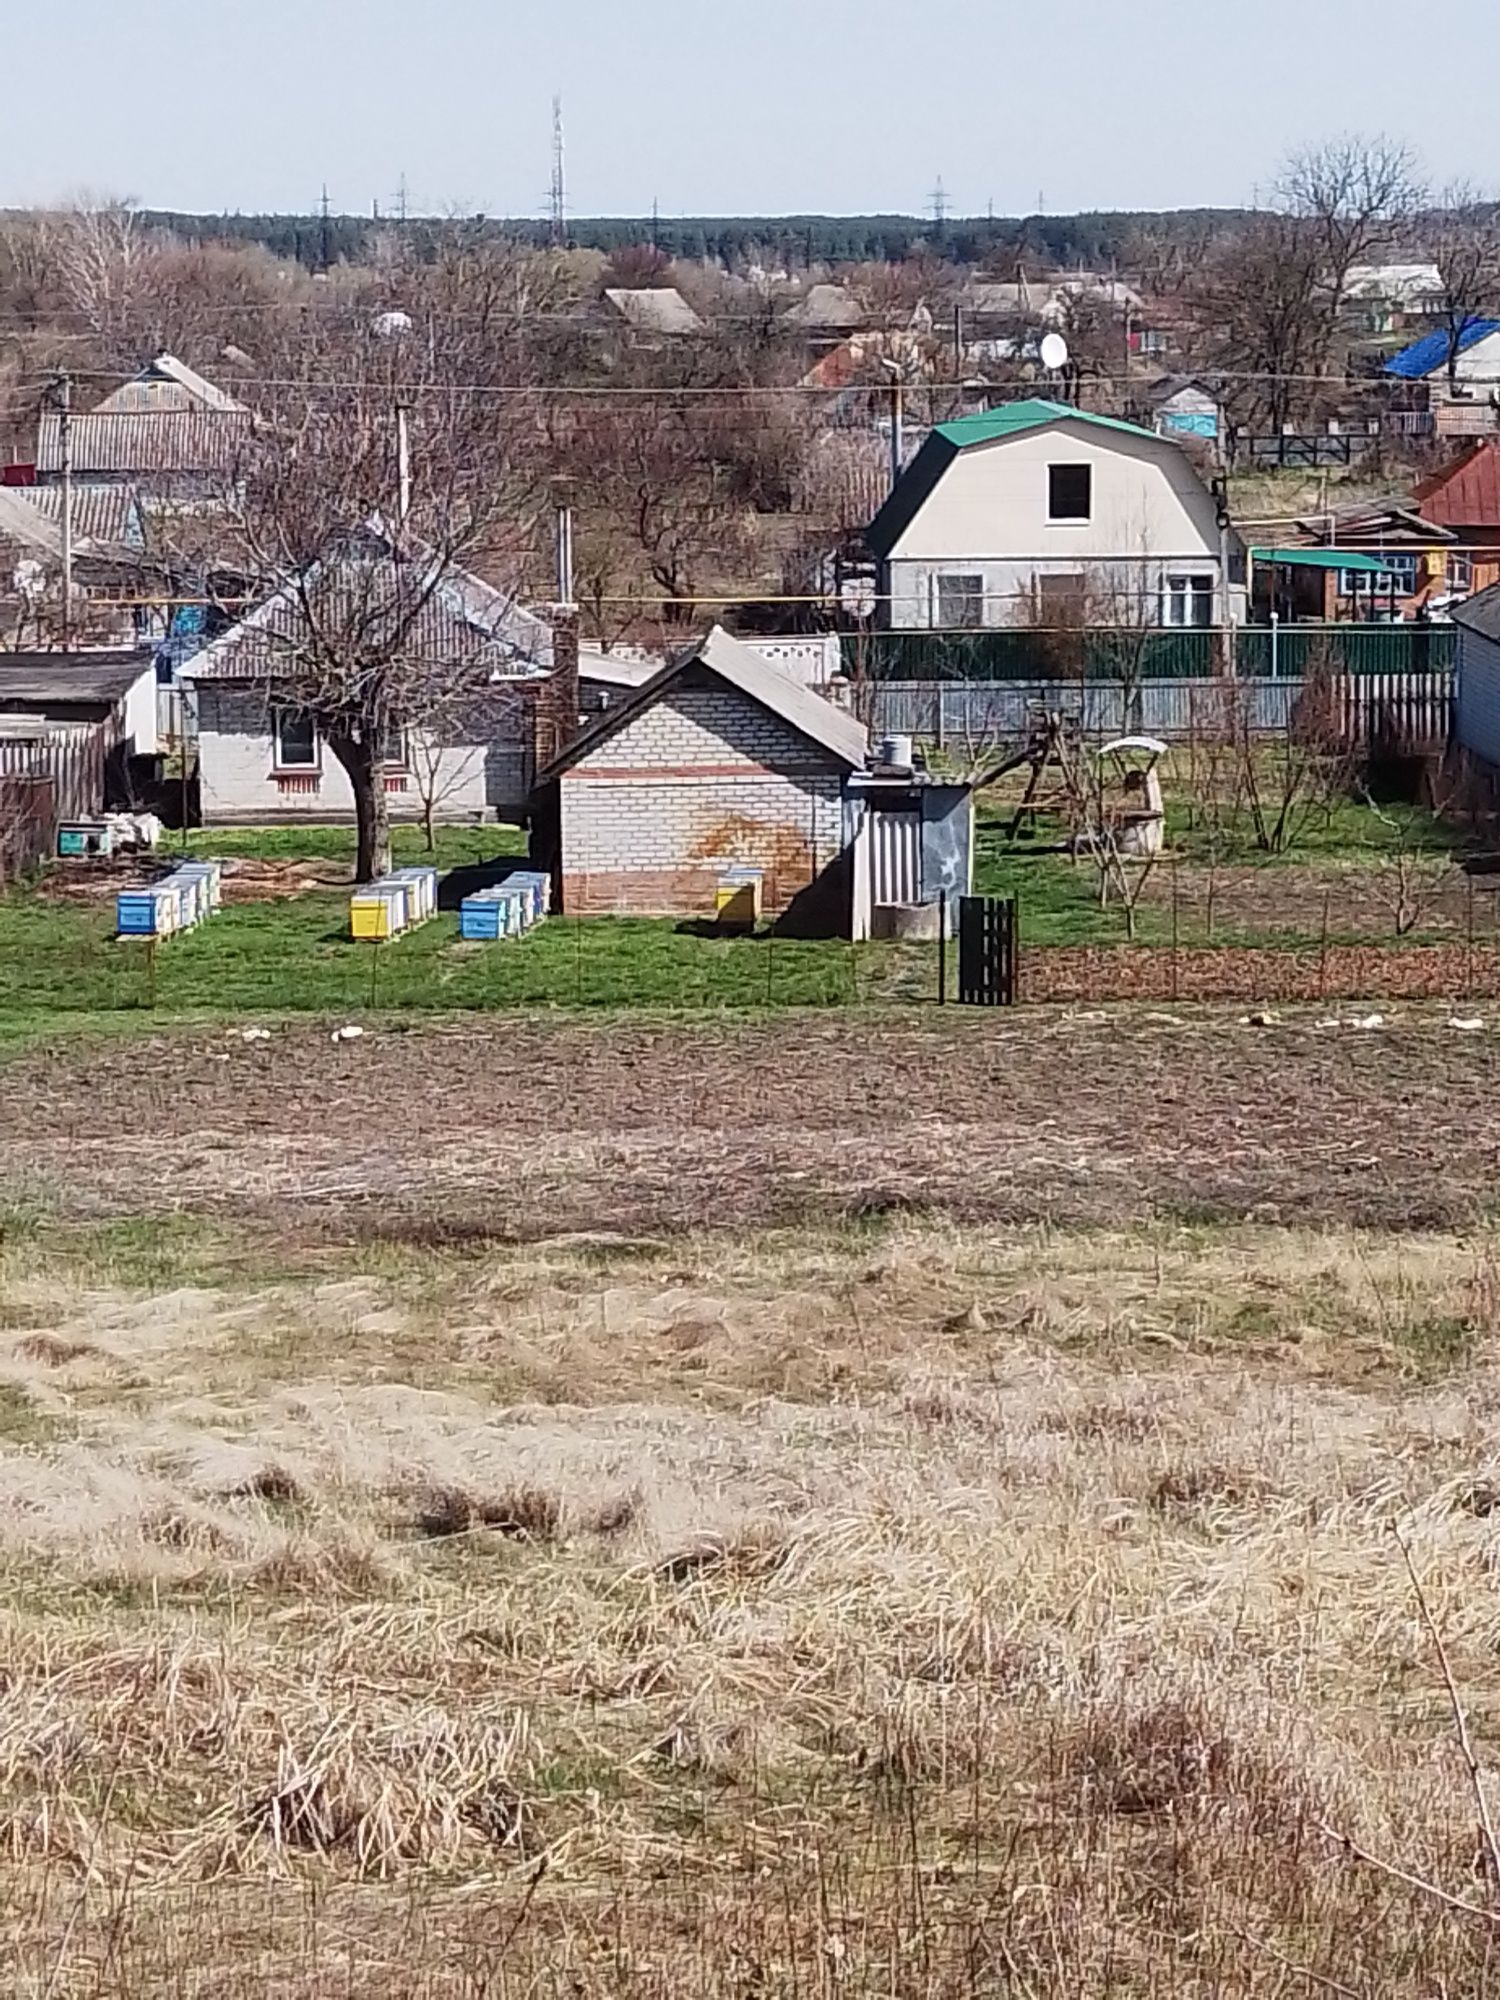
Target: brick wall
(704,778)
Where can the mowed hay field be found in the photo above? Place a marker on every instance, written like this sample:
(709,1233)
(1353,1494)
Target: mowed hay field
(807,1594)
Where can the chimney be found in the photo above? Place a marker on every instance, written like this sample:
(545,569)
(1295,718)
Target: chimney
(557,707)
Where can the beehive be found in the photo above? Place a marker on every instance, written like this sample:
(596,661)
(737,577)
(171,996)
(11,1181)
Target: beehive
(737,898)
(379,912)
(536,890)
(421,885)
(152,912)
(79,838)
(211,875)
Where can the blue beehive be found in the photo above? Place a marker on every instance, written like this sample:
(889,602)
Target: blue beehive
(153,912)
(536,888)
(497,912)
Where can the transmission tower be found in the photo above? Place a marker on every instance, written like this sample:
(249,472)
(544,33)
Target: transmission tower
(558,202)
(939,204)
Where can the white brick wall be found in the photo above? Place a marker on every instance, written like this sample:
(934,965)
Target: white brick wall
(706,776)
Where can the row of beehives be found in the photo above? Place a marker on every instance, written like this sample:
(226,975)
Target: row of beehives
(506,909)
(395,903)
(180,900)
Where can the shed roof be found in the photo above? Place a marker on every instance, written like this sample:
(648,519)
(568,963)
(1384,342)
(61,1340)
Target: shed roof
(57,679)
(105,512)
(1427,355)
(1465,493)
(23,522)
(832,729)
(1480,613)
(656,309)
(1320,559)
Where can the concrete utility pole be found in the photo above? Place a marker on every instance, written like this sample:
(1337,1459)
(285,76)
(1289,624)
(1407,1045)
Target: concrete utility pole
(403,465)
(558,200)
(65,458)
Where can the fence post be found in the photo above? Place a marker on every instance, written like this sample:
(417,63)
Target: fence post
(943,949)
(1323,952)
(1469,946)
(1176,872)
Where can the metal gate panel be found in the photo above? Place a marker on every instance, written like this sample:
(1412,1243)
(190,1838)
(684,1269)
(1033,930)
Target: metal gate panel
(895,858)
(987,951)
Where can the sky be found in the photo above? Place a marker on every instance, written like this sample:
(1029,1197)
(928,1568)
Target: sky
(716,107)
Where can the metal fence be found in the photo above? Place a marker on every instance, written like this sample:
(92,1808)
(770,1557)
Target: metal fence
(959,715)
(1252,651)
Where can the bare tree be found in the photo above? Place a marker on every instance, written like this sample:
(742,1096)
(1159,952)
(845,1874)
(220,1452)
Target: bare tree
(1355,193)
(1465,243)
(1258,302)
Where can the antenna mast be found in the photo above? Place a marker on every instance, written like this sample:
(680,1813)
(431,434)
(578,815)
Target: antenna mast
(558,204)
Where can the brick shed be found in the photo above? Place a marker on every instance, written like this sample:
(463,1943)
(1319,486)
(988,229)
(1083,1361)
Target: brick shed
(719,759)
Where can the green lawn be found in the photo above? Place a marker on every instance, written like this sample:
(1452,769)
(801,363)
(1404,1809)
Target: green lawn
(456,845)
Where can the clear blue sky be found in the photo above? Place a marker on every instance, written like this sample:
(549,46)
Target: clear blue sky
(721,107)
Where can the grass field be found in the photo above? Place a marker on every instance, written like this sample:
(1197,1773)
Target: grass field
(761,1510)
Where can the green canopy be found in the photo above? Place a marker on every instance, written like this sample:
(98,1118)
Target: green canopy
(1321,559)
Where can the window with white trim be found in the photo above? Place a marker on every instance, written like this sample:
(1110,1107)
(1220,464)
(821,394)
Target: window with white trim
(1460,572)
(1187,601)
(957,603)
(296,740)
(393,750)
(1397,577)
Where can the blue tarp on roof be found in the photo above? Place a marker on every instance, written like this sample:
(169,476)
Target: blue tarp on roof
(1431,353)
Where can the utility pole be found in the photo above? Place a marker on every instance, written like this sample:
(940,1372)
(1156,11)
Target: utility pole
(65,459)
(325,240)
(558,204)
(403,466)
(898,411)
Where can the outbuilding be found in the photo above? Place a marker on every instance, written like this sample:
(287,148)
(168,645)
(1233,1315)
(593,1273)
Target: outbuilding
(722,763)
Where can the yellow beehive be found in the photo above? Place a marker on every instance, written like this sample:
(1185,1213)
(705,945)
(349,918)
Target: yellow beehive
(737,898)
(377,913)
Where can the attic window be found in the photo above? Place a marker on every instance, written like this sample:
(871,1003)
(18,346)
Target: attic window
(1070,492)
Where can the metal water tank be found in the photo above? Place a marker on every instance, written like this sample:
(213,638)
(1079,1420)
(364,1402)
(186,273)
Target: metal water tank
(895,753)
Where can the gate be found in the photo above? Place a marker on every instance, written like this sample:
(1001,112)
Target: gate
(987,951)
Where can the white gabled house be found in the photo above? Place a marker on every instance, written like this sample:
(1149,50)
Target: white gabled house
(1037,514)
(260,755)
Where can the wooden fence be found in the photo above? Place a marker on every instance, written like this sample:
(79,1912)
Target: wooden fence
(28,824)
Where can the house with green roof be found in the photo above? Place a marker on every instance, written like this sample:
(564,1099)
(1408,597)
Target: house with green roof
(1042,515)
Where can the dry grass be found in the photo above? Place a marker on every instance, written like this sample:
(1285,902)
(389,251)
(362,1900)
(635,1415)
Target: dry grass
(911,1610)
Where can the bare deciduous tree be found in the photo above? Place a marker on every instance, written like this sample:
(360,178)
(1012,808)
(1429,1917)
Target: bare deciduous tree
(1355,193)
(1465,243)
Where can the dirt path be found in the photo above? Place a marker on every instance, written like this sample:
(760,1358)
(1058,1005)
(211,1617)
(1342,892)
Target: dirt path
(524,1131)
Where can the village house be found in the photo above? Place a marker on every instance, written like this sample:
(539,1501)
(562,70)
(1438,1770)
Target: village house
(1396,566)
(168,431)
(260,754)
(1038,514)
(1463,500)
(724,762)
(77,736)
(1459,392)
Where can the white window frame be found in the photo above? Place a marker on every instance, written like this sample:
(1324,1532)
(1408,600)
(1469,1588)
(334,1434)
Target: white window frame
(398,736)
(972,584)
(1459,572)
(298,766)
(1182,591)
(1377,583)
(1071,520)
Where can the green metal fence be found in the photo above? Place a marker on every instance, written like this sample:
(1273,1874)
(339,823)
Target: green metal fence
(1291,652)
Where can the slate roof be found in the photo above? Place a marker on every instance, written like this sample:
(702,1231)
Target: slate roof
(146,441)
(456,621)
(1481,613)
(1425,356)
(168,384)
(832,729)
(656,309)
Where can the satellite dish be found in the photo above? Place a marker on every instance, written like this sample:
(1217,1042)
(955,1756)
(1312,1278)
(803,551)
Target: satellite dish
(390,325)
(1054,352)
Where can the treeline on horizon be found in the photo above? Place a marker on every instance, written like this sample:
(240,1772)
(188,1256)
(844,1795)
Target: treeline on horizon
(789,242)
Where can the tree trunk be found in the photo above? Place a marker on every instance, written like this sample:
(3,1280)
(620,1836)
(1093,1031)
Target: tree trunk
(362,761)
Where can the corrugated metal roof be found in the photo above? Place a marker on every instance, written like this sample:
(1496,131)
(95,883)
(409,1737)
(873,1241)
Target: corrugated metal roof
(146,441)
(1426,356)
(1320,559)
(1029,415)
(168,384)
(832,729)
(656,309)
(375,603)
(1465,494)
(24,523)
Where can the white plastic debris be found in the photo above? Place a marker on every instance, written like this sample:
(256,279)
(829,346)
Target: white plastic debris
(1329,1021)
(1264,1018)
(251,1034)
(1367,1021)
(350,1034)
(1466,1024)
